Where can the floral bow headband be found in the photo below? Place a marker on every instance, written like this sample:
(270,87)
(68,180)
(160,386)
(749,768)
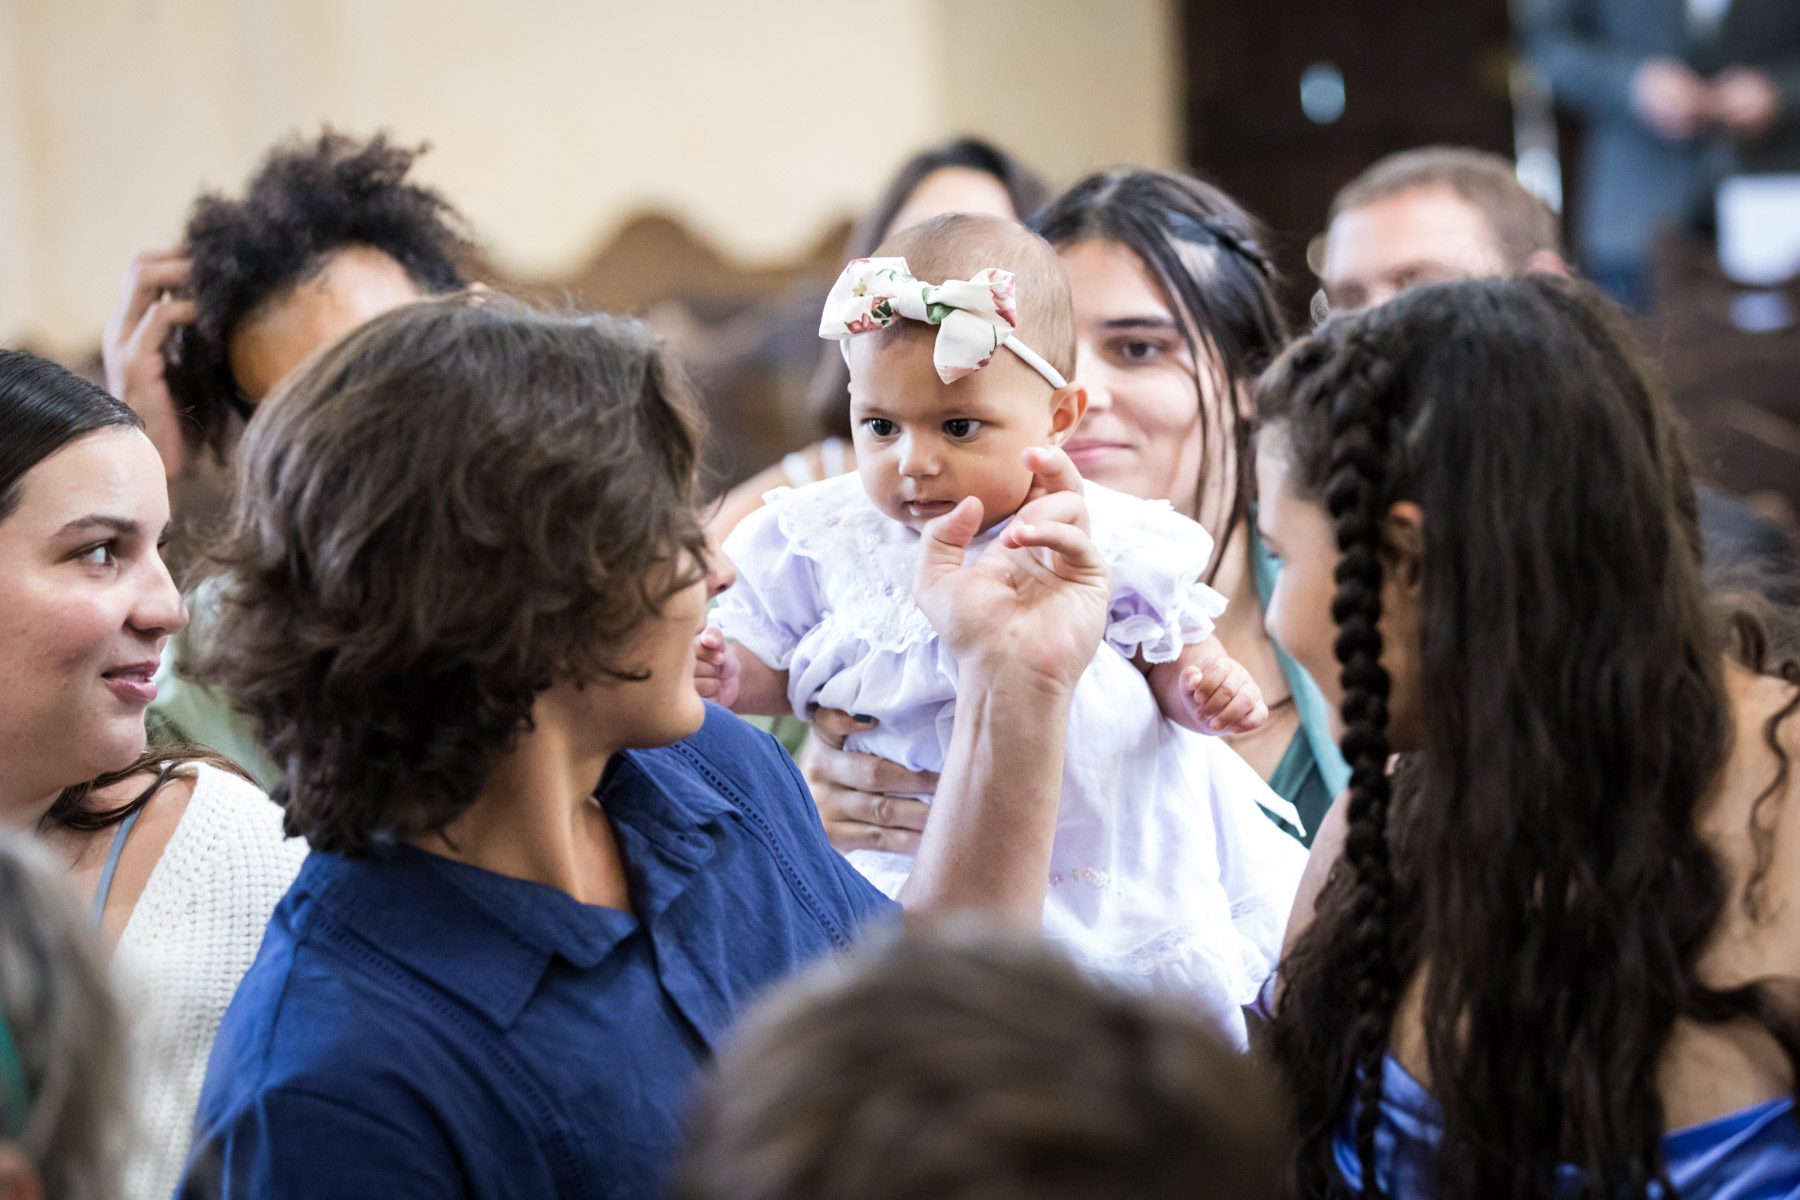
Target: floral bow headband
(975,317)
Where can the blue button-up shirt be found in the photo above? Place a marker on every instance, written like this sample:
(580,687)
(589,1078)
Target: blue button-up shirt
(415,1026)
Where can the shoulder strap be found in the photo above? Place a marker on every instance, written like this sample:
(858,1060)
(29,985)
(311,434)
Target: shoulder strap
(112,864)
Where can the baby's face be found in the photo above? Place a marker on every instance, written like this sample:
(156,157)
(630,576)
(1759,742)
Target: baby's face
(923,445)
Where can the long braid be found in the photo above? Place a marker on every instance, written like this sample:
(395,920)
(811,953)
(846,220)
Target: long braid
(1353,496)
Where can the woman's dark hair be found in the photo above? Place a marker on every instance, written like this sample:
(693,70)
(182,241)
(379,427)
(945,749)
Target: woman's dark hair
(44,407)
(1206,253)
(308,200)
(828,396)
(967,1066)
(457,505)
(1539,861)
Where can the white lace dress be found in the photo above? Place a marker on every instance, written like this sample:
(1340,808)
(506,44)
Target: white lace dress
(1164,873)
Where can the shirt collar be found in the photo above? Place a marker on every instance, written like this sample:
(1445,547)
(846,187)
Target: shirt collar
(487,938)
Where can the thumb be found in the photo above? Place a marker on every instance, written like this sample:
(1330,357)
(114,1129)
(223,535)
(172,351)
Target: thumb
(946,539)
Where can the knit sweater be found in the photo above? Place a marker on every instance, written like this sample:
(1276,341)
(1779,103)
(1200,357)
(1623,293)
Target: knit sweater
(188,942)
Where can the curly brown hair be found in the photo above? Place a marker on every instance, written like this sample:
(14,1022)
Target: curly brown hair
(460,503)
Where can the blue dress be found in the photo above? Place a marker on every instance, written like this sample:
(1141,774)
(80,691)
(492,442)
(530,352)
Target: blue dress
(1751,1154)
(415,1026)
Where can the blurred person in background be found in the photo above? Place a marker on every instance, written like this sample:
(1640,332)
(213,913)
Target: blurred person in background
(329,233)
(1675,94)
(967,1066)
(1445,213)
(1175,313)
(63,1117)
(179,858)
(964,174)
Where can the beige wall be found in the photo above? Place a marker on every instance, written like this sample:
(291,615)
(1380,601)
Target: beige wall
(757,122)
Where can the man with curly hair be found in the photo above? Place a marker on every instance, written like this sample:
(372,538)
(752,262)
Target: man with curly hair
(328,234)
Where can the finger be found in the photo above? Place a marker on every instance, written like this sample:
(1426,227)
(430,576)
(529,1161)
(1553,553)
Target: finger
(706,688)
(1052,471)
(945,540)
(1068,507)
(883,811)
(153,327)
(868,773)
(149,275)
(1259,716)
(840,725)
(1220,695)
(1236,712)
(853,835)
(1070,544)
(1195,680)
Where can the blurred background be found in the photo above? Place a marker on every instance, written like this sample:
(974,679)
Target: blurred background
(702,162)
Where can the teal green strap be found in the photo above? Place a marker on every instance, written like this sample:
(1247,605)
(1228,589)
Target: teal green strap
(15,1093)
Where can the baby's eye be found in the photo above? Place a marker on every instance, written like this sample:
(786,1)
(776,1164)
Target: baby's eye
(881,427)
(961,427)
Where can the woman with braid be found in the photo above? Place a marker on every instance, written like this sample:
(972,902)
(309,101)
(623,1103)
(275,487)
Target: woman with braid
(1561,940)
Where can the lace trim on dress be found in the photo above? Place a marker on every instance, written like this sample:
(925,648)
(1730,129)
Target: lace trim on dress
(876,571)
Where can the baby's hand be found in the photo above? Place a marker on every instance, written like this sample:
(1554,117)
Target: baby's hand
(716,671)
(1222,697)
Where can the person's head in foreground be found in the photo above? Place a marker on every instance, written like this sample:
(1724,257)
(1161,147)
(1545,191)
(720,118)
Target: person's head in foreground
(1492,563)
(88,602)
(1434,215)
(62,1044)
(945,399)
(970,1067)
(467,518)
(329,233)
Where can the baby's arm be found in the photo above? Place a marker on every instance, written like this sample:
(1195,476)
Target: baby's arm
(730,675)
(1207,690)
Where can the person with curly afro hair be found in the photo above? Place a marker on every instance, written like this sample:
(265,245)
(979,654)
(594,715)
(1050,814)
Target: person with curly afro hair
(328,234)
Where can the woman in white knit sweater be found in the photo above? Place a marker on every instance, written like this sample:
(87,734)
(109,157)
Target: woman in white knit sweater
(179,857)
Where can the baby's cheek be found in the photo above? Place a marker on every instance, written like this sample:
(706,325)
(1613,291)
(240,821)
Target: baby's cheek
(1003,491)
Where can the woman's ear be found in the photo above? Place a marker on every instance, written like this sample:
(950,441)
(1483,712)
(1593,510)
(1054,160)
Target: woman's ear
(1403,545)
(1067,407)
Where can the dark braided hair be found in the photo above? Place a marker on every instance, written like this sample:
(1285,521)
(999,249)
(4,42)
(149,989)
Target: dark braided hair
(1534,862)
(1357,385)
(1206,254)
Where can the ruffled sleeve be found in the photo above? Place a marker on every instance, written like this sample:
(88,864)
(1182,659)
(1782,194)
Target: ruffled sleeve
(1158,558)
(776,599)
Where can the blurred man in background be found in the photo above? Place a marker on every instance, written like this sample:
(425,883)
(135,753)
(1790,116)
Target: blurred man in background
(1443,213)
(1676,94)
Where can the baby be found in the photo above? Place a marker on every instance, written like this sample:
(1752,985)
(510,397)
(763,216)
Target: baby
(1163,869)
